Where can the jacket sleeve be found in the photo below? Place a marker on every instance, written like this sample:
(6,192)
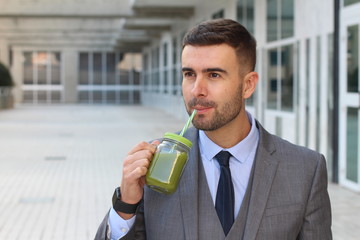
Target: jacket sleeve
(317,221)
(137,232)
(102,232)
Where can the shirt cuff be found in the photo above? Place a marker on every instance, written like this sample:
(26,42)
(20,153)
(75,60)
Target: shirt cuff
(119,227)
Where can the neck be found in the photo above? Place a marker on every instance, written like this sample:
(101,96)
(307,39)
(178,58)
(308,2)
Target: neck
(232,133)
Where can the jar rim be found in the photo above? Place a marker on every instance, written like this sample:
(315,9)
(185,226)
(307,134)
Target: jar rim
(178,138)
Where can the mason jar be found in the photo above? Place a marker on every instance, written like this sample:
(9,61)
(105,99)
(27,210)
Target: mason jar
(168,163)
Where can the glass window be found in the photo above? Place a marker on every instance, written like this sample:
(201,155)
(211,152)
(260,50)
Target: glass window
(175,50)
(97,96)
(84,96)
(287,76)
(165,53)
(124,97)
(166,82)
(245,14)
(272,15)
(352,144)
(28,96)
(41,61)
(165,64)
(110,68)
(127,69)
(272,89)
(174,72)
(111,96)
(42,68)
(280,19)
(287,18)
(28,68)
(156,74)
(145,72)
(55,68)
(136,76)
(353,59)
(281,71)
(55,96)
(84,68)
(175,80)
(41,96)
(136,97)
(349,2)
(97,68)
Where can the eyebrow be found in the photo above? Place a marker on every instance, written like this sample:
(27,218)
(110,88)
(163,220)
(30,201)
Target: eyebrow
(185,69)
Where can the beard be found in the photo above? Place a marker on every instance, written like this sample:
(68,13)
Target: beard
(222,116)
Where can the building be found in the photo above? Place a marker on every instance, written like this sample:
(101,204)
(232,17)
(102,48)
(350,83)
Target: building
(128,51)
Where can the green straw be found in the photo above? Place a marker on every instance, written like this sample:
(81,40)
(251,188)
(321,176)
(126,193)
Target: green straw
(188,123)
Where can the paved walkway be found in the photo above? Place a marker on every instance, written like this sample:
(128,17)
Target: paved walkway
(60,164)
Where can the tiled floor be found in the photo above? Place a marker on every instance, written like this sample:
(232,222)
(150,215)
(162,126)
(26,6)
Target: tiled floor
(60,164)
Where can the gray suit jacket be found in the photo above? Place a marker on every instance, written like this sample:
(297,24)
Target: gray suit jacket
(289,198)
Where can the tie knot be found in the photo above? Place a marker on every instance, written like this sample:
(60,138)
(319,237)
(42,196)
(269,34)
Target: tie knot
(223,158)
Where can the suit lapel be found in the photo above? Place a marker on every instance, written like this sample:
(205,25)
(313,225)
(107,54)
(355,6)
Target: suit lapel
(188,188)
(265,169)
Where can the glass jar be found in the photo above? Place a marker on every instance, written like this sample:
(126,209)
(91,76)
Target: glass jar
(168,163)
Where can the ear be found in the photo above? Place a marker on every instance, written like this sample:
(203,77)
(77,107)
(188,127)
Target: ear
(250,82)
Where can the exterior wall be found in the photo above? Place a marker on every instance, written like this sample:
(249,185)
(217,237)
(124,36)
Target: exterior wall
(349,101)
(307,123)
(306,13)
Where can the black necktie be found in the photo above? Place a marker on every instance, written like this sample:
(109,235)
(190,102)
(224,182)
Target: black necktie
(225,193)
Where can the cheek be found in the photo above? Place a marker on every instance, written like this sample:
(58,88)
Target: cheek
(186,89)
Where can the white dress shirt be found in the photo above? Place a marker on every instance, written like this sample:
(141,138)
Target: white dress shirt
(241,161)
(243,155)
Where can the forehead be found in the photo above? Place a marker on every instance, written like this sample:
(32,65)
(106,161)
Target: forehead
(209,56)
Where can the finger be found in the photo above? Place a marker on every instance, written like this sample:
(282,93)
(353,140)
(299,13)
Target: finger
(142,154)
(144,162)
(143,146)
(136,174)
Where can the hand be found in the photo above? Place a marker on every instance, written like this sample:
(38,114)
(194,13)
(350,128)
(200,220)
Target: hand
(135,168)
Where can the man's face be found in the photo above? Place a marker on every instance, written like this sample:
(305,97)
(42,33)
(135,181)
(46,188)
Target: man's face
(212,85)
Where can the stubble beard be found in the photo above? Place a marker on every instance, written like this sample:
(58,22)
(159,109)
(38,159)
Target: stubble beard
(227,113)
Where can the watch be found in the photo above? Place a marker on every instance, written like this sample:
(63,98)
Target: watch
(121,206)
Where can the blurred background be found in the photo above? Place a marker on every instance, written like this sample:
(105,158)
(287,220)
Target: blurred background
(69,67)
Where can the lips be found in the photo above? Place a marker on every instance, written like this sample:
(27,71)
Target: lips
(202,110)
(202,106)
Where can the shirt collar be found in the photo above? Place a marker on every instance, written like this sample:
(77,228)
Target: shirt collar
(240,151)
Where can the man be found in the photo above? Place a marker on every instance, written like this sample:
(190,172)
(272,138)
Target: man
(266,188)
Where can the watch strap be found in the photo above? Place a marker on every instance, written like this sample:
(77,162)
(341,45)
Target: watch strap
(121,206)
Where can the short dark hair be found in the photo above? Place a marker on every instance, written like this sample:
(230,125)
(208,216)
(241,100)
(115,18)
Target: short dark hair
(219,31)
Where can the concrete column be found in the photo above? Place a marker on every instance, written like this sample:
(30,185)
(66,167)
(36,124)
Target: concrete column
(4,52)
(70,75)
(17,74)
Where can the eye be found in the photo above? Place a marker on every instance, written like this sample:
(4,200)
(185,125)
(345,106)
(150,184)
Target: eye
(188,74)
(214,75)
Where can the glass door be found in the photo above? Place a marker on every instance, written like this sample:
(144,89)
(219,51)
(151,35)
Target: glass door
(350,99)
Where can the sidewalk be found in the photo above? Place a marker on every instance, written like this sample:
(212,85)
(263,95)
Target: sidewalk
(60,164)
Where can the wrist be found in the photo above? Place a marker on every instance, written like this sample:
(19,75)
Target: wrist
(125,216)
(123,208)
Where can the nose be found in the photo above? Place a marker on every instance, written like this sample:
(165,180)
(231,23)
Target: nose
(199,88)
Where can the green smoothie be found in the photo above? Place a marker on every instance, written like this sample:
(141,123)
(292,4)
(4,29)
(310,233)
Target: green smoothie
(165,171)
